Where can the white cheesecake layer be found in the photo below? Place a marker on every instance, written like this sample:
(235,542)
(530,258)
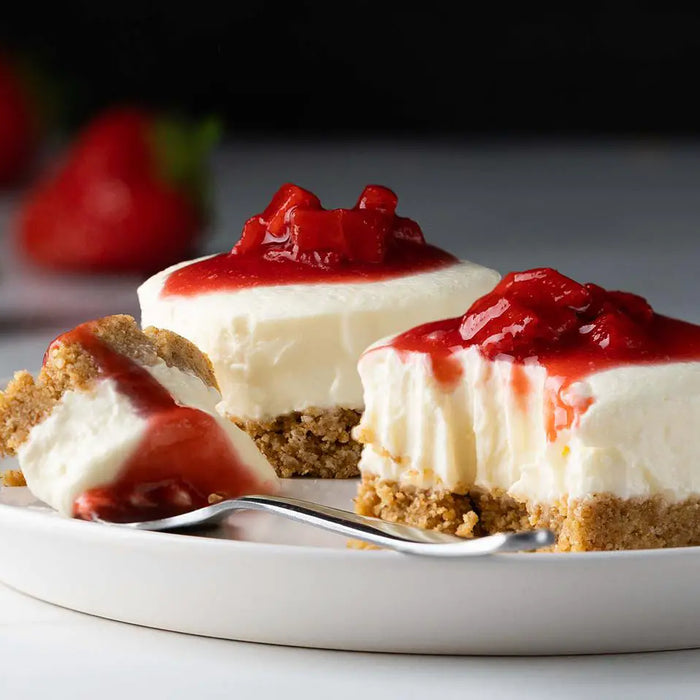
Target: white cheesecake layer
(638,437)
(90,435)
(287,348)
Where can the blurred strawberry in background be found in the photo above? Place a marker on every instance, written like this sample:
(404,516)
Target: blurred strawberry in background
(17,124)
(130,195)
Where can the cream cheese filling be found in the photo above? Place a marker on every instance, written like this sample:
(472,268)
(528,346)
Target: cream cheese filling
(90,435)
(284,348)
(636,438)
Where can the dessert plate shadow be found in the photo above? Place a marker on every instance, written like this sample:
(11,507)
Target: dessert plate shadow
(264,579)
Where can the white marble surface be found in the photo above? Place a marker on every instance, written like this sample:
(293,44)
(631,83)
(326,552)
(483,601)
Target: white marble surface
(626,215)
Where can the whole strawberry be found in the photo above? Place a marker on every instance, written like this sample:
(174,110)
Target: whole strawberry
(128,197)
(17,129)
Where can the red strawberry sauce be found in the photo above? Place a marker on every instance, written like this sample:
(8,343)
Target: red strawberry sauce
(296,241)
(572,329)
(183,458)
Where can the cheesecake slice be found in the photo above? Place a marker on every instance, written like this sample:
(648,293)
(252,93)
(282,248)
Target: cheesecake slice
(286,314)
(548,404)
(121,424)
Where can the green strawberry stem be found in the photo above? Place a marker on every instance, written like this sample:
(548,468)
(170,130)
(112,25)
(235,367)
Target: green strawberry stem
(182,151)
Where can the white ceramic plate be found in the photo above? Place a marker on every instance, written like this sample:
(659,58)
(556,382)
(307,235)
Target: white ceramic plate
(261,578)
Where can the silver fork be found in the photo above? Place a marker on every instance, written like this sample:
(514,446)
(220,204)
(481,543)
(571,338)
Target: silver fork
(403,538)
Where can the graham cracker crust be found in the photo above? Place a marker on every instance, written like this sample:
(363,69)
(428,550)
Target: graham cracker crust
(12,477)
(432,510)
(68,366)
(597,523)
(313,443)
(605,522)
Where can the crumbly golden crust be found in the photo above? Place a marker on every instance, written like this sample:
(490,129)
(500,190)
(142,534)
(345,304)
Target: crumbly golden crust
(179,352)
(365,546)
(313,443)
(26,401)
(24,404)
(499,512)
(605,522)
(12,477)
(596,523)
(443,511)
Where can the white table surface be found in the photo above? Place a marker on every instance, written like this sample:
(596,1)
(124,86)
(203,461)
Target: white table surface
(623,215)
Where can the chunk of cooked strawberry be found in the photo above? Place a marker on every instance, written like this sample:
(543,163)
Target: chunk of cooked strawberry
(273,225)
(407,230)
(294,225)
(615,333)
(287,198)
(542,311)
(506,325)
(367,232)
(317,230)
(636,307)
(544,286)
(378,198)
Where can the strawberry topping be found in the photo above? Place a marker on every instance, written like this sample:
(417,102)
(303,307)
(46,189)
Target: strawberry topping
(541,310)
(295,226)
(573,330)
(296,241)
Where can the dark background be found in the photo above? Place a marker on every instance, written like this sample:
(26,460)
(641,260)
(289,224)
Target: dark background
(369,67)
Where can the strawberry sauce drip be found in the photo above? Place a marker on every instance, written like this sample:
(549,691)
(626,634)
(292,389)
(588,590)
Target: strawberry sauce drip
(571,329)
(183,458)
(436,341)
(520,384)
(296,241)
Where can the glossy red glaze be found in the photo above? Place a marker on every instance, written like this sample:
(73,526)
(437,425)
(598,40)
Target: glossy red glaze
(571,329)
(296,241)
(437,341)
(183,458)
